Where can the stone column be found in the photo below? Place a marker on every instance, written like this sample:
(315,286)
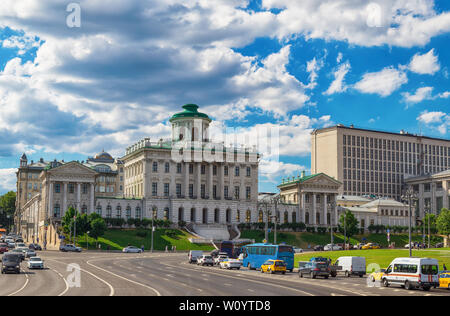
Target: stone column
(336,215)
(92,199)
(303,207)
(314,209)
(221,181)
(445,197)
(79,196)
(186,179)
(146,174)
(198,180)
(64,206)
(210,181)
(325,210)
(50,200)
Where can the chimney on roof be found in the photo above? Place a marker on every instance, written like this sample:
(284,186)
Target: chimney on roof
(303,173)
(352,126)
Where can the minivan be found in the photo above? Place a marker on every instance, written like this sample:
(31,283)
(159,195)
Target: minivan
(412,273)
(351,266)
(11,263)
(194,255)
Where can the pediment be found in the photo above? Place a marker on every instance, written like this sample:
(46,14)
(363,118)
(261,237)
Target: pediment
(323,180)
(72,168)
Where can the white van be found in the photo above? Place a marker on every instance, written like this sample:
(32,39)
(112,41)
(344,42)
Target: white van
(351,266)
(194,255)
(412,273)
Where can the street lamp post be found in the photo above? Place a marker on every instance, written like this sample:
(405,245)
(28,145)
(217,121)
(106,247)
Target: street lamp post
(153,228)
(410,197)
(332,206)
(428,213)
(275,200)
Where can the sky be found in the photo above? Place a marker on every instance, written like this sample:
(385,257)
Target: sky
(79,78)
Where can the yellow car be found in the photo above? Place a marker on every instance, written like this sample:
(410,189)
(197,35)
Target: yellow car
(274,266)
(444,280)
(377,275)
(371,246)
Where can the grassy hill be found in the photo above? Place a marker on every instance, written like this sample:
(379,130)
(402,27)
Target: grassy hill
(117,239)
(304,239)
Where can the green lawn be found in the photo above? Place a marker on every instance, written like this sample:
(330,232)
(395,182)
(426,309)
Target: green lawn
(117,239)
(382,257)
(304,239)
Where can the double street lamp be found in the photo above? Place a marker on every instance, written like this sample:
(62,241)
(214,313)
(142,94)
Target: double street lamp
(411,197)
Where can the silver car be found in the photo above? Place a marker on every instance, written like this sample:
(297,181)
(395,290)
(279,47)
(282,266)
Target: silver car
(35,263)
(71,248)
(30,253)
(131,249)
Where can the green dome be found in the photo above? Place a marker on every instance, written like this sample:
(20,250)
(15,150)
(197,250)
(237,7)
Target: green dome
(190,111)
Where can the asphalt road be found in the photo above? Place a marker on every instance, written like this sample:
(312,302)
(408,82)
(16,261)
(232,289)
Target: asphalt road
(162,274)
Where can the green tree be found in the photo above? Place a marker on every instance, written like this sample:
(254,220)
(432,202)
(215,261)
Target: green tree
(97,228)
(443,222)
(351,224)
(7,208)
(432,219)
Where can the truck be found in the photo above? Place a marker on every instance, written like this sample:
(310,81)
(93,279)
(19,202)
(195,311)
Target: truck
(351,266)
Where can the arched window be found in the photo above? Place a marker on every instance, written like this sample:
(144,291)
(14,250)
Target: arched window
(260,216)
(228,216)
(216,215)
(181,214)
(109,211)
(57,211)
(286,217)
(118,211)
(248,216)
(193,215)
(99,210)
(205,216)
(137,214)
(166,214)
(128,212)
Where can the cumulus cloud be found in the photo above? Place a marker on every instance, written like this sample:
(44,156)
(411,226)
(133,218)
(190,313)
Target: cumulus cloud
(383,83)
(424,93)
(7,179)
(426,64)
(338,85)
(435,120)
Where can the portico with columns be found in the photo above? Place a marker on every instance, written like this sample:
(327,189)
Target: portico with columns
(312,198)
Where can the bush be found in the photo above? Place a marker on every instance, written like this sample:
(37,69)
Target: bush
(311,229)
(321,230)
(142,233)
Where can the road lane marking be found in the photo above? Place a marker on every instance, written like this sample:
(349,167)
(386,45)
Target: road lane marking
(26,283)
(111,288)
(121,277)
(64,279)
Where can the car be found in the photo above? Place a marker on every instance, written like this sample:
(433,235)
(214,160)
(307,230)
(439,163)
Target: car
(30,253)
(194,255)
(351,266)
(371,246)
(11,263)
(377,275)
(205,261)
(3,248)
(35,263)
(444,280)
(20,245)
(69,248)
(35,247)
(230,264)
(11,245)
(332,247)
(19,240)
(219,259)
(439,245)
(274,266)
(358,246)
(313,269)
(318,248)
(131,249)
(412,273)
(19,252)
(298,250)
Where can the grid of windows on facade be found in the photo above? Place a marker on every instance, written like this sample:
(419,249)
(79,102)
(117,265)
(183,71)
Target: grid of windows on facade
(378,165)
(118,211)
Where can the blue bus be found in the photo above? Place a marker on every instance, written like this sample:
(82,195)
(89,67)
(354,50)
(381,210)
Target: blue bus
(256,254)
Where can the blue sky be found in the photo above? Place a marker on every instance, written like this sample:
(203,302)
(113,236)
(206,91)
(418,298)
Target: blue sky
(68,93)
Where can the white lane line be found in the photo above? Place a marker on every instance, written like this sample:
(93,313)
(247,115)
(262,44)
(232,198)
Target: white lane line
(250,290)
(64,279)
(111,289)
(19,290)
(121,277)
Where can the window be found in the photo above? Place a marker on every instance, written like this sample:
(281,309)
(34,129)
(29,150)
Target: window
(128,212)
(99,210)
(138,212)
(191,169)
(191,190)
(155,166)
(71,188)
(57,188)
(202,191)
(237,171)
(178,167)
(225,191)
(178,188)
(214,191)
(84,189)
(166,189)
(236,192)
(118,211)
(203,169)
(249,171)
(166,167)
(56,211)
(154,189)
(214,170)
(225,170)
(108,211)
(248,191)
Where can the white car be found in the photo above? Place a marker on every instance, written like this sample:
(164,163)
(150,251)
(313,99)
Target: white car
(205,261)
(131,249)
(298,250)
(71,248)
(230,264)
(29,253)
(332,247)
(219,259)
(35,263)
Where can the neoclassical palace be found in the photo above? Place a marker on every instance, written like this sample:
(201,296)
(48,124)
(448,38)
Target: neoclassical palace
(186,178)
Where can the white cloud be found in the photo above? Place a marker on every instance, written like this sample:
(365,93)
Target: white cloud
(425,64)
(8,179)
(338,85)
(424,93)
(383,83)
(437,120)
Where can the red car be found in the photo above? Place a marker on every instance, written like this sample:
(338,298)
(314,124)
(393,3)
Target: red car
(3,248)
